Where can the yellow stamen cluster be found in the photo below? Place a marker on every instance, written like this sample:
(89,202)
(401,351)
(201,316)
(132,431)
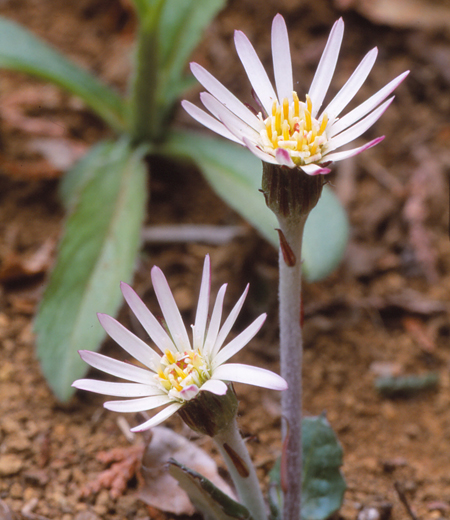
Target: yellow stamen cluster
(178,370)
(292,127)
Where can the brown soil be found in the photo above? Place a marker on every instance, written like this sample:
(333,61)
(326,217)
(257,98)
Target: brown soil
(385,310)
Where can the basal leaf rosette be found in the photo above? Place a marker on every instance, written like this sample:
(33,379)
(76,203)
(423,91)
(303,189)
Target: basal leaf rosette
(178,371)
(288,131)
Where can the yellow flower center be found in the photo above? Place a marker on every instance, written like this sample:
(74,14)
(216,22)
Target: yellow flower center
(292,127)
(179,370)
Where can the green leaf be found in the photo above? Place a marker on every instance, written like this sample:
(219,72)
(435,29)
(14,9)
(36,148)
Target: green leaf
(325,237)
(168,32)
(235,174)
(181,28)
(97,251)
(205,496)
(22,51)
(406,386)
(75,179)
(323,486)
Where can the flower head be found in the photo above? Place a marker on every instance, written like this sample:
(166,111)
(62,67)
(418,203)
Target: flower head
(289,131)
(175,375)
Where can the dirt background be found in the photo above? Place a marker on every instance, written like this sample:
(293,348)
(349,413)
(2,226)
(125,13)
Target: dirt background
(384,311)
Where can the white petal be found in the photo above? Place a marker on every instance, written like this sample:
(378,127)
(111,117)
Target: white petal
(158,418)
(255,71)
(284,158)
(214,323)
(359,128)
(223,95)
(258,152)
(315,169)
(206,120)
(117,368)
(114,389)
(202,306)
(250,375)
(189,392)
(217,108)
(281,55)
(215,386)
(325,70)
(170,310)
(129,342)
(137,405)
(339,156)
(366,107)
(238,342)
(234,124)
(151,325)
(229,322)
(351,87)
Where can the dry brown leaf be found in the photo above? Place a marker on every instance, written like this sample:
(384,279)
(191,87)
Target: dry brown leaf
(29,169)
(159,489)
(59,152)
(16,267)
(14,109)
(416,14)
(420,333)
(422,185)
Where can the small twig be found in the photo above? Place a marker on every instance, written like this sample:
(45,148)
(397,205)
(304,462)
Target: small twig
(404,501)
(345,182)
(124,427)
(214,235)
(27,511)
(382,175)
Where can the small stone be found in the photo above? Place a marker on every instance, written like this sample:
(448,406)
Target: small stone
(101,510)
(388,410)
(369,513)
(10,425)
(16,490)
(29,494)
(126,505)
(370,463)
(412,431)
(102,498)
(18,442)
(10,465)
(86,515)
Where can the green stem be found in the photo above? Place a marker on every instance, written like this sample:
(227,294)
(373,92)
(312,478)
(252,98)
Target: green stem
(145,118)
(242,471)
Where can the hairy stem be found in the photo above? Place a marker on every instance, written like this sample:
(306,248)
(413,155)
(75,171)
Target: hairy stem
(291,347)
(242,471)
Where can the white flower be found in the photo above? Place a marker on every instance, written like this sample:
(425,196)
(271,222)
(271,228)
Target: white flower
(176,374)
(288,131)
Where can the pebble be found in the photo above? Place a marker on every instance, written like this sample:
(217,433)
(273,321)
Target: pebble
(18,442)
(126,505)
(10,425)
(86,515)
(16,490)
(30,493)
(10,465)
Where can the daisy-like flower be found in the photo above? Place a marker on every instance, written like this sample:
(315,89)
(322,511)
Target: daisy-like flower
(288,131)
(175,375)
